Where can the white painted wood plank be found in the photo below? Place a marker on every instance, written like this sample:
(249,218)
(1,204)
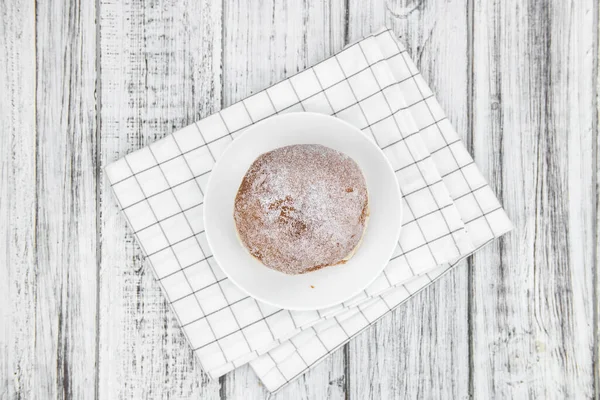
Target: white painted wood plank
(422,349)
(595,127)
(160,71)
(264,43)
(268,41)
(65,264)
(534,134)
(17,198)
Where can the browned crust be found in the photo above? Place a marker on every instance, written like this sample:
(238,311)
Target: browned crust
(250,218)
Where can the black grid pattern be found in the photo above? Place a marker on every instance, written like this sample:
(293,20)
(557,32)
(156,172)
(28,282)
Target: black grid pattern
(218,327)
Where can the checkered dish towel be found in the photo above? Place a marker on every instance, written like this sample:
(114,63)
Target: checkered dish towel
(450,210)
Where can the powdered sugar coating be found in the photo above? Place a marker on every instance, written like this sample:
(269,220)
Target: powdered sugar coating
(300,208)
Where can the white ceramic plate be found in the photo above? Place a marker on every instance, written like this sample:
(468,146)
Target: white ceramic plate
(328,286)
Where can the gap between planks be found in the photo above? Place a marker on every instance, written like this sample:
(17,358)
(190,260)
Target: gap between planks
(469,144)
(98,161)
(595,175)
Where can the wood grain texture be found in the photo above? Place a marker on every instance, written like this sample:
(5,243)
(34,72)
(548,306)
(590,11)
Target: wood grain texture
(596,131)
(159,71)
(421,350)
(17,198)
(268,41)
(80,317)
(265,42)
(534,136)
(65,260)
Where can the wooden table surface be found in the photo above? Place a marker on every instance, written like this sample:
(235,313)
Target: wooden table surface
(83,83)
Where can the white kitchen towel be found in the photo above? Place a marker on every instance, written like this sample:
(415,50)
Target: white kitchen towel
(484,218)
(160,190)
